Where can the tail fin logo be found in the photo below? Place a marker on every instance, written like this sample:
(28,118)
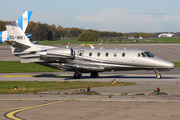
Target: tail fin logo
(25,19)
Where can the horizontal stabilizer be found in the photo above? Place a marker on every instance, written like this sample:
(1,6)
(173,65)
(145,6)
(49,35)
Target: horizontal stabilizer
(16,44)
(31,60)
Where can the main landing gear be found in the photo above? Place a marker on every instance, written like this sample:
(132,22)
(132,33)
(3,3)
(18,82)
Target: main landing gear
(158,75)
(77,74)
(94,74)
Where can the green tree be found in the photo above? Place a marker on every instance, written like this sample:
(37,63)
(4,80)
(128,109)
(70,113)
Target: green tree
(2,26)
(104,34)
(112,34)
(75,32)
(53,30)
(136,36)
(144,35)
(88,36)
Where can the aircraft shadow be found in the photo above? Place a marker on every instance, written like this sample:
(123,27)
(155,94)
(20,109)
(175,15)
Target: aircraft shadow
(101,77)
(127,77)
(52,76)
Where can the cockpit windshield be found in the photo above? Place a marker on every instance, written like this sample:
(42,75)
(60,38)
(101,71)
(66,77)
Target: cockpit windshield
(143,54)
(149,54)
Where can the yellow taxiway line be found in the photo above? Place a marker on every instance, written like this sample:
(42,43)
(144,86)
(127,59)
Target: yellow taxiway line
(19,76)
(36,76)
(11,115)
(15,108)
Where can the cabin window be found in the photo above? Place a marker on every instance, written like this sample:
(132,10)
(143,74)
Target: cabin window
(143,54)
(98,54)
(90,54)
(106,54)
(123,54)
(139,55)
(80,54)
(149,54)
(115,54)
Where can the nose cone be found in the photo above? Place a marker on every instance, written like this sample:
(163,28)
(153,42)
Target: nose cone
(163,64)
(170,65)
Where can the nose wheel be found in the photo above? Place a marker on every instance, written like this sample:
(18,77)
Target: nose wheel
(158,75)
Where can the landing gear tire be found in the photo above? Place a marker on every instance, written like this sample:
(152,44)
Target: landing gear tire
(94,75)
(158,76)
(77,75)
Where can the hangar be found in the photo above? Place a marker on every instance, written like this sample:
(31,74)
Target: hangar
(165,35)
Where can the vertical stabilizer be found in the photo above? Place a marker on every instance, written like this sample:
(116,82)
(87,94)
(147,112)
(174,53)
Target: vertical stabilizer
(17,37)
(24,20)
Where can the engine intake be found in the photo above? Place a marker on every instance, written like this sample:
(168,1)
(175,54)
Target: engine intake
(57,54)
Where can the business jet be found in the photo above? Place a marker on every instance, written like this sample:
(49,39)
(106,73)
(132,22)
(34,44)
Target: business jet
(83,60)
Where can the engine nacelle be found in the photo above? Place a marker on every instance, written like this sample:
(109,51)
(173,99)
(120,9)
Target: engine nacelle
(57,54)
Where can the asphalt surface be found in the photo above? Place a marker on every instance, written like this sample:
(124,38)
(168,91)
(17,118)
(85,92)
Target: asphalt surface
(125,102)
(120,102)
(135,76)
(169,52)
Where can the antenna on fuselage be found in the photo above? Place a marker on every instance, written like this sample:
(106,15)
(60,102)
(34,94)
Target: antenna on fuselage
(92,47)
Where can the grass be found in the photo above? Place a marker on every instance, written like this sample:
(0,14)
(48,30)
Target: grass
(139,94)
(111,41)
(92,93)
(124,93)
(114,41)
(62,41)
(7,87)
(17,67)
(4,44)
(177,64)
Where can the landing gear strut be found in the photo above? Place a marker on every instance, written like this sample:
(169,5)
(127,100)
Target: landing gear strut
(158,75)
(77,74)
(94,74)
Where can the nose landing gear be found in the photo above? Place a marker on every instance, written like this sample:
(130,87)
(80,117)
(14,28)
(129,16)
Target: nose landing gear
(158,75)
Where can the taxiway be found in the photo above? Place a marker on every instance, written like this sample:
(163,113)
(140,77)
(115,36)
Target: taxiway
(120,102)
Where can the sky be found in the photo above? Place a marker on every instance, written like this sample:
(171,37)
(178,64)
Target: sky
(103,15)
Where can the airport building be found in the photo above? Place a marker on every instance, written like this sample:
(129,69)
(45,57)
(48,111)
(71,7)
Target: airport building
(165,35)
